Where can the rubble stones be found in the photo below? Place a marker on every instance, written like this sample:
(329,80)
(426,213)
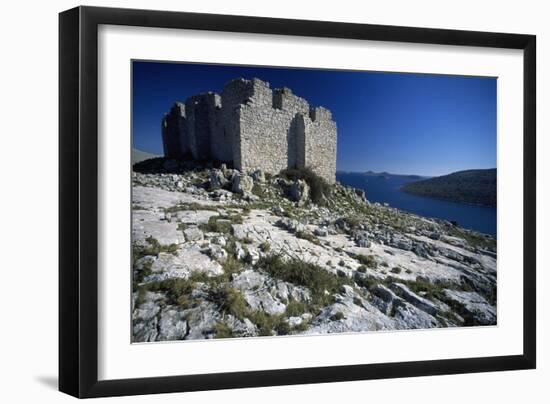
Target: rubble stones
(321,231)
(217,253)
(474,306)
(299,192)
(258,176)
(217,179)
(193,234)
(291,225)
(361,238)
(242,184)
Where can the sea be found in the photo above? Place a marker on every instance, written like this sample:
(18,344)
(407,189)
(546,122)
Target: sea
(386,189)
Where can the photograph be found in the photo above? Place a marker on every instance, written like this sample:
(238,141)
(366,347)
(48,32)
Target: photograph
(288,201)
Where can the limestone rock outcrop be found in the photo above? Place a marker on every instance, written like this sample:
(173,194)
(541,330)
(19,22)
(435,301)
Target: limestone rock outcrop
(210,262)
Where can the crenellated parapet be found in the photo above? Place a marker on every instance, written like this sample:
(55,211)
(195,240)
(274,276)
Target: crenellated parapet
(253,127)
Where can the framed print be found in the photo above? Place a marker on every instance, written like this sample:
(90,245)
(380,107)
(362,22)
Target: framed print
(251,201)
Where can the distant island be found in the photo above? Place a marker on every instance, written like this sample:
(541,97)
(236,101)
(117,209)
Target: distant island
(382,174)
(385,174)
(477,187)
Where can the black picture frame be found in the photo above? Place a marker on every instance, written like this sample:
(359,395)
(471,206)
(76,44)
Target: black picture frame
(78,201)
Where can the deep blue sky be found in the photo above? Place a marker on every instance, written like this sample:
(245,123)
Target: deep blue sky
(400,123)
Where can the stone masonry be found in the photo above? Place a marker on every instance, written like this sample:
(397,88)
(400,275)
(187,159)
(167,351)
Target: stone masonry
(253,127)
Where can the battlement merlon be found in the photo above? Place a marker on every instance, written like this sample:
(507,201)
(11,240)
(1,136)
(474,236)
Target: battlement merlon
(241,91)
(208,99)
(285,100)
(320,114)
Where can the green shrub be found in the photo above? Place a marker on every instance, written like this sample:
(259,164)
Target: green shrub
(258,190)
(265,246)
(264,323)
(320,190)
(144,272)
(474,239)
(367,260)
(365,282)
(189,206)
(235,218)
(229,301)
(432,290)
(223,331)
(153,247)
(353,222)
(221,224)
(308,236)
(281,327)
(395,270)
(306,274)
(176,290)
(231,266)
(337,316)
(202,277)
(303,326)
(295,308)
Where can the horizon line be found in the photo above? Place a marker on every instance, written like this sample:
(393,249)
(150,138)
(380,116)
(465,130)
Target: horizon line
(409,174)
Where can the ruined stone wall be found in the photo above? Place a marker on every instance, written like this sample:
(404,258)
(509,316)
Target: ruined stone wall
(200,111)
(175,140)
(319,143)
(267,133)
(254,127)
(226,137)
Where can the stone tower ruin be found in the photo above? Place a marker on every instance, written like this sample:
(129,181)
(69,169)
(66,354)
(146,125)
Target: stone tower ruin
(253,127)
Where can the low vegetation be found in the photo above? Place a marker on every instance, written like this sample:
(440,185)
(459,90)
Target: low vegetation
(265,246)
(322,284)
(295,308)
(221,224)
(177,291)
(152,247)
(190,206)
(223,331)
(367,260)
(308,236)
(258,190)
(337,316)
(474,239)
(320,190)
(395,270)
(229,301)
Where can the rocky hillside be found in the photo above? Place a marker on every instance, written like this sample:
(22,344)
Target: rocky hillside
(218,253)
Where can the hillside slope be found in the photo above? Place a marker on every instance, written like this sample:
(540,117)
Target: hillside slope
(139,155)
(220,253)
(470,186)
